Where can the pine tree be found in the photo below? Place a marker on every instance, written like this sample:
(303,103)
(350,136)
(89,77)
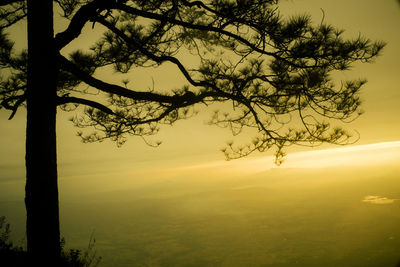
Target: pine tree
(275,73)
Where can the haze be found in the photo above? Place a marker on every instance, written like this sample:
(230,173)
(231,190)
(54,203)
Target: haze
(182,204)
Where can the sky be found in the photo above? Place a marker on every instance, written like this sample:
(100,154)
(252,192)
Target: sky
(194,140)
(374,19)
(190,159)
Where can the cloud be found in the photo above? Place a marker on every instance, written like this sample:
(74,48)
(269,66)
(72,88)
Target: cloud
(378,200)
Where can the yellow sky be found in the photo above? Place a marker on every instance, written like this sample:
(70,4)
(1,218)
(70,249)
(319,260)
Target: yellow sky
(192,141)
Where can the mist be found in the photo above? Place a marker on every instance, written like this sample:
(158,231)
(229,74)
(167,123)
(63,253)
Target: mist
(219,216)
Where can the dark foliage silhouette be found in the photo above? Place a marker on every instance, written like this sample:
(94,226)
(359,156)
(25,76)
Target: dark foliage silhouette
(274,73)
(10,255)
(15,256)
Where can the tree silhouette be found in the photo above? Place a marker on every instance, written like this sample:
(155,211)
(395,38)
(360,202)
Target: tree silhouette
(274,72)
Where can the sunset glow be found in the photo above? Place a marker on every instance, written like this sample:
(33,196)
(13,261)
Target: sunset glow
(183,95)
(361,155)
(347,156)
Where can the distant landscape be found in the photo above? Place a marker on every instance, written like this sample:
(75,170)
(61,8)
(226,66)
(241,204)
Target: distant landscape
(280,217)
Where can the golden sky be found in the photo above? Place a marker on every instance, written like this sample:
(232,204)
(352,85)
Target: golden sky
(193,142)
(334,199)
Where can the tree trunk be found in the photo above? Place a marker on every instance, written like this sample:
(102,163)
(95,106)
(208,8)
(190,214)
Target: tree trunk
(41,199)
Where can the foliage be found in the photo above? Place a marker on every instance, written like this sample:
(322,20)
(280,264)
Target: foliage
(11,255)
(5,243)
(275,72)
(79,258)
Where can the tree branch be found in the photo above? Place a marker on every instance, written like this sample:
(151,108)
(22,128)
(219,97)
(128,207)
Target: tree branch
(69,99)
(178,100)
(8,2)
(85,14)
(67,65)
(207,28)
(158,59)
(19,99)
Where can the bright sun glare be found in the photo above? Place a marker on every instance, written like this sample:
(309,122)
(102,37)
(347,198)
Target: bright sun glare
(361,155)
(356,156)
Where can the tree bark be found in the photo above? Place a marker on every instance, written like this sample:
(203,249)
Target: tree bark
(41,199)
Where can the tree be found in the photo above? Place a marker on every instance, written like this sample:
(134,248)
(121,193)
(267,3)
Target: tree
(274,72)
